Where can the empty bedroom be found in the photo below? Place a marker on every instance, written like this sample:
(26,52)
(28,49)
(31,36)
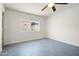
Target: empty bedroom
(39,29)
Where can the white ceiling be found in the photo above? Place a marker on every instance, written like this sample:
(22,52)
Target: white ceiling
(33,8)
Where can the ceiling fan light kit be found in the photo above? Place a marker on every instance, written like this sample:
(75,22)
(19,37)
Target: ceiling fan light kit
(52,5)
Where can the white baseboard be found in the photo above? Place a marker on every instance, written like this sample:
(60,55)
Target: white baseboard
(58,39)
(22,41)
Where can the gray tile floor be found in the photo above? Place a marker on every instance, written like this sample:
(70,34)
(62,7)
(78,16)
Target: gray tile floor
(41,47)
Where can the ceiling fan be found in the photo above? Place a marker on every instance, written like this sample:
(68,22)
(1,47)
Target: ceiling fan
(52,5)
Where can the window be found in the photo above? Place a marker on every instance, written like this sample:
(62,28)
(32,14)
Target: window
(35,26)
(30,26)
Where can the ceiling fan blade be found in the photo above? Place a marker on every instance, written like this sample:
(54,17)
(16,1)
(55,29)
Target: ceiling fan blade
(62,3)
(44,8)
(53,8)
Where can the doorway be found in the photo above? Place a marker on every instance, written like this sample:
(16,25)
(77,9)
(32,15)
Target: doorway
(2,29)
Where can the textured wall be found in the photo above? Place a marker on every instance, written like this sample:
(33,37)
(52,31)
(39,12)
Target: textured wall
(12,27)
(64,25)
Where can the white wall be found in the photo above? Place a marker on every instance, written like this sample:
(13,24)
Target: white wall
(12,27)
(64,25)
